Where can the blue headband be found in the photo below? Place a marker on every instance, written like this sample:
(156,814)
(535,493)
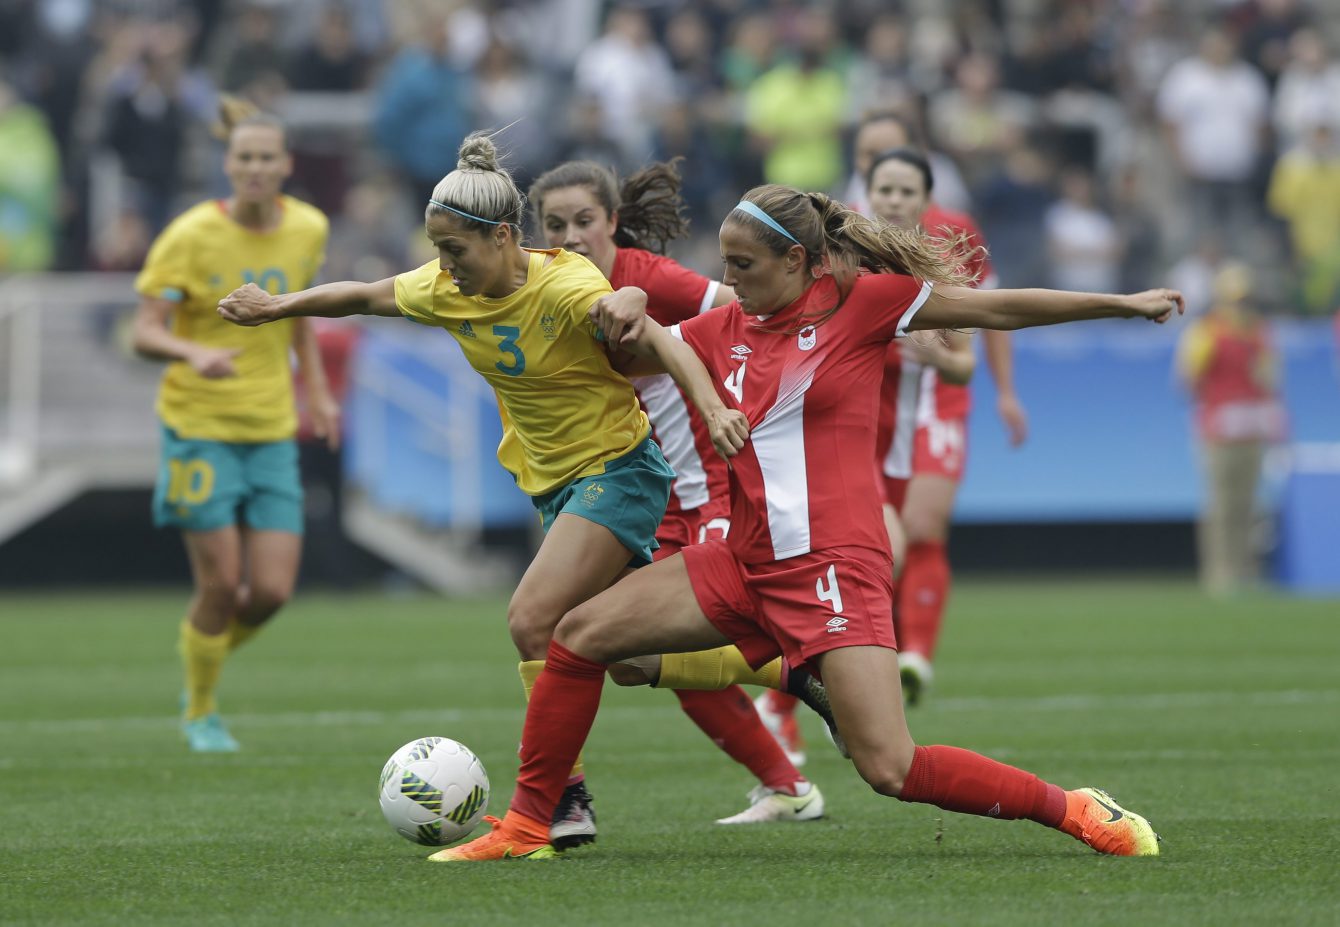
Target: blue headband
(461,212)
(747,207)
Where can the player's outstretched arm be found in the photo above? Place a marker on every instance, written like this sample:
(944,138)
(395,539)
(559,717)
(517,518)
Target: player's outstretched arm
(728,427)
(1007,310)
(250,305)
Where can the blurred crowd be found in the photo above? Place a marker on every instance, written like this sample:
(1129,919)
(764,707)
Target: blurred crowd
(1101,144)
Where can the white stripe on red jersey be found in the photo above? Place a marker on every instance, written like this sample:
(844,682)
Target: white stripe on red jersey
(803,481)
(674,293)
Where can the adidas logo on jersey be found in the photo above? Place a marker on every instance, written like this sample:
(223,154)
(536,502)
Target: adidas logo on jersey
(467,330)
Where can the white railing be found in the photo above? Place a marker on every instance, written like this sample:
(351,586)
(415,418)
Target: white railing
(75,411)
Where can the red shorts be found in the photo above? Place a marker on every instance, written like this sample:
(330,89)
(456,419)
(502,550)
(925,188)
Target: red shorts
(799,607)
(941,448)
(679,530)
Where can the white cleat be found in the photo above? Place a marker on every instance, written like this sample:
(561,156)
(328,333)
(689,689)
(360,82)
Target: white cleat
(767,805)
(916,674)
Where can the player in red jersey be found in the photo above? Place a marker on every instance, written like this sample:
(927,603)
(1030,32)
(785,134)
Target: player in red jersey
(622,229)
(911,438)
(820,291)
(899,185)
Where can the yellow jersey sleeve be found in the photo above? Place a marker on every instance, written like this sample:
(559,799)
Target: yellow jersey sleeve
(414,293)
(583,285)
(1194,351)
(167,268)
(201,257)
(565,411)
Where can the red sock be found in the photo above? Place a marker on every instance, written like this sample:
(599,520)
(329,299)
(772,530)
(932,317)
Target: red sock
(921,598)
(967,782)
(559,717)
(781,702)
(728,717)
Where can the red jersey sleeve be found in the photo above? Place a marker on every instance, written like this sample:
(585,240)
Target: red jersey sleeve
(674,293)
(887,303)
(702,334)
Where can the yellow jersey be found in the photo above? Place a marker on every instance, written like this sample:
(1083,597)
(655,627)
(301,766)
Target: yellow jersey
(201,257)
(565,411)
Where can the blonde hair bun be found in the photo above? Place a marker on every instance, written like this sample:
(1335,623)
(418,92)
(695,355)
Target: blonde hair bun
(477,153)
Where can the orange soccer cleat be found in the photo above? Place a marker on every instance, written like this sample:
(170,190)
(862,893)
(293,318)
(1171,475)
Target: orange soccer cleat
(514,837)
(1092,817)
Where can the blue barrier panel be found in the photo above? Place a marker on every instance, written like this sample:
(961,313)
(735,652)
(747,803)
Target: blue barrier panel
(1111,436)
(1307,558)
(423,432)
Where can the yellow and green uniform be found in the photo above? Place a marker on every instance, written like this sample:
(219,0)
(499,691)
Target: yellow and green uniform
(574,436)
(229,442)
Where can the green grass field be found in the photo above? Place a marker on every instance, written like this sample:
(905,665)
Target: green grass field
(1217,721)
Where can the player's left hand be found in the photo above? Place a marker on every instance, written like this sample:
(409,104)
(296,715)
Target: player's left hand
(1155,305)
(729,430)
(621,315)
(1012,413)
(325,414)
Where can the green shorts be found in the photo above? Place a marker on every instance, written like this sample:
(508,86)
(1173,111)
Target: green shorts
(204,485)
(629,499)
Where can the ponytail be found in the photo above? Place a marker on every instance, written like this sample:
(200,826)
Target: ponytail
(842,242)
(235,112)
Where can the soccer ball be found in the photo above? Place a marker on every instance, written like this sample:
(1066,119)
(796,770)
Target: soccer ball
(433,791)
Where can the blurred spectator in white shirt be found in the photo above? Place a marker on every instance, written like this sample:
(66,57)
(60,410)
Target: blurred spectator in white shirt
(1083,242)
(1308,92)
(1213,108)
(630,74)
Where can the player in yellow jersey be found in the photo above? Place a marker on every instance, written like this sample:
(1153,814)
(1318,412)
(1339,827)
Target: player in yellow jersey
(574,436)
(229,474)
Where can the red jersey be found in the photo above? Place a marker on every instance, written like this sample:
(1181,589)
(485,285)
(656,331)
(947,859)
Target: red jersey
(674,293)
(803,481)
(949,400)
(1233,402)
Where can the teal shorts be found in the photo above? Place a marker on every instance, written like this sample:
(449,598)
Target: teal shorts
(629,499)
(204,485)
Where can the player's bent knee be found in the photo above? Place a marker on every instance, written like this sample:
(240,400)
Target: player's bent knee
(264,601)
(884,771)
(531,628)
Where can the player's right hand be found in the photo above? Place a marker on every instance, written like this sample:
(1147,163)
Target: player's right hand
(1156,305)
(246,305)
(621,316)
(214,363)
(729,430)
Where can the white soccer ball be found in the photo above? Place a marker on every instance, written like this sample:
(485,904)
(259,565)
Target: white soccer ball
(433,791)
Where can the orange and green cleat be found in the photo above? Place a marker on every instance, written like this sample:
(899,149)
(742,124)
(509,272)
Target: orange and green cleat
(514,837)
(1092,817)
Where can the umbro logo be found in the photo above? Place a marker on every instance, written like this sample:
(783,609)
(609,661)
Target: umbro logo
(467,330)
(836,623)
(740,352)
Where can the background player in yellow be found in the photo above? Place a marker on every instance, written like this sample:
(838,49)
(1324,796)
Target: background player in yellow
(229,473)
(574,435)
